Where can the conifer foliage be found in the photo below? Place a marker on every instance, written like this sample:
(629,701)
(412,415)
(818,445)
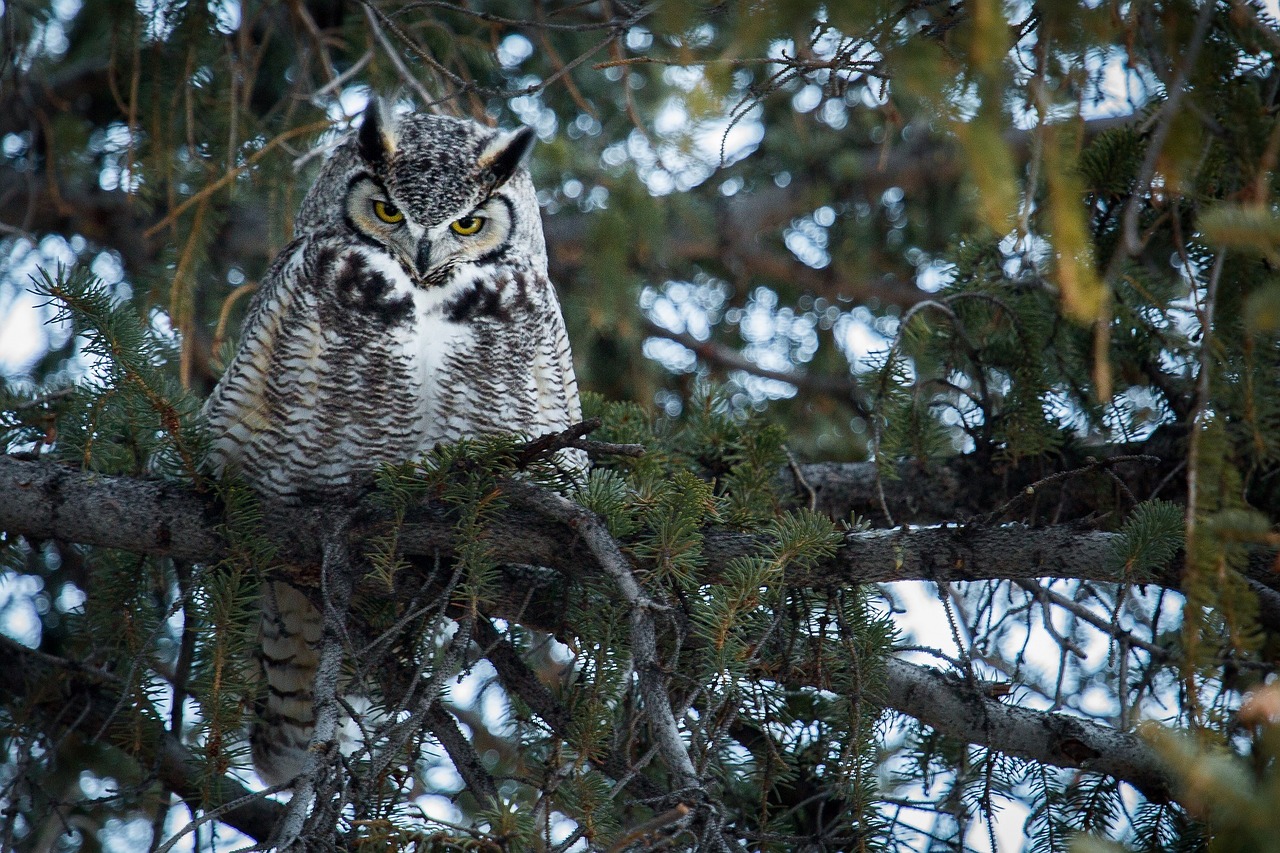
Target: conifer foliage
(932,352)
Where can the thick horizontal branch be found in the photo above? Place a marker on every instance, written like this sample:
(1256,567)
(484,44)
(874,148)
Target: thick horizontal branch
(1071,483)
(944,553)
(44,500)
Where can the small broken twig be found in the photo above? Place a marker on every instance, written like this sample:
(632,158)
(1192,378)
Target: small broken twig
(572,437)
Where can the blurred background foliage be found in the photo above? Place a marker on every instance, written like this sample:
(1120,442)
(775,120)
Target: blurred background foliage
(774,185)
(907,230)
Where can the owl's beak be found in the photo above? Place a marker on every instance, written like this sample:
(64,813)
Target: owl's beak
(423,261)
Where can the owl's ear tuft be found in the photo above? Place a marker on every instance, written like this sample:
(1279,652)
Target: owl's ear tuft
(376,140)
(505,154)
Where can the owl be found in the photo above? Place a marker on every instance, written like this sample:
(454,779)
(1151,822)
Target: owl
(412,308)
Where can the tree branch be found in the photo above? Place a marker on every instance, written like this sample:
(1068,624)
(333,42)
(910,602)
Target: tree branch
(1072,483)
(958,709)
(519,680)
(45,500)
(463,755)
(644,647)
(839,387)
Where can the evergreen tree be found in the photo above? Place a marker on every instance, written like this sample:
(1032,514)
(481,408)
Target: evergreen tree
(933,350)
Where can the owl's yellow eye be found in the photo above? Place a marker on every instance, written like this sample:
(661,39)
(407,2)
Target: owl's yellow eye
(388,213)
(468,225)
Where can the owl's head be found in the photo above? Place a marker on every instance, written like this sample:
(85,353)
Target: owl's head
(439,193)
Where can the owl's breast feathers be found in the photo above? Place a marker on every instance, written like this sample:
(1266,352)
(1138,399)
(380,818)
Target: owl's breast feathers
(315,390)
(344,364)
(508,367)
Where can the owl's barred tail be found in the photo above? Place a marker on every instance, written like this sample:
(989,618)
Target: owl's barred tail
(290,630)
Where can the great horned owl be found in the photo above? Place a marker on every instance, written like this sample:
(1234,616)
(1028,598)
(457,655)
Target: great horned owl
(413,308)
